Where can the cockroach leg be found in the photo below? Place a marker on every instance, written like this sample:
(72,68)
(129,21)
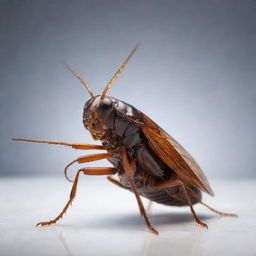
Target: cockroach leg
(86,171)
(116,182)
(174,183)
(94,157)
(209,207)
(200,223)
(218,212)
(73,145)
(88,158)
(119,184)
(129,171)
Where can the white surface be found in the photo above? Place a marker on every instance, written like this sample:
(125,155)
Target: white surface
(104,220)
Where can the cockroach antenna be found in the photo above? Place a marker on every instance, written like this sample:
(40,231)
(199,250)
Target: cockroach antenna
(116,75)
(86,85)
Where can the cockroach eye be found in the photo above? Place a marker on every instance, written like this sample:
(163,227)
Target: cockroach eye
(105,106)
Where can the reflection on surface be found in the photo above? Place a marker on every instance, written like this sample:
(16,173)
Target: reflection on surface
(171,243)
(115,235)
(104,222)
(173,237)
(63,241)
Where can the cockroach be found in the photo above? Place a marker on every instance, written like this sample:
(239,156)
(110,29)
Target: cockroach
(147,160)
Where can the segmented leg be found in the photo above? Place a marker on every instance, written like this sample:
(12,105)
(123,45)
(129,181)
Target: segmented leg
(174,183)
(129,172)
(87,171)
(116,182)
(119,184)
(88,158)
(94,157)
(76,146)
(210,208)
(218,212)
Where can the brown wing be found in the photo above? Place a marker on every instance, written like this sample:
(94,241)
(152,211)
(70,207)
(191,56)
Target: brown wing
(168,149)
(175,156)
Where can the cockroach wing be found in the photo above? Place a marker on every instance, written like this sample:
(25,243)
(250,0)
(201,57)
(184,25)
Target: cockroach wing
(167,148)
(175,156)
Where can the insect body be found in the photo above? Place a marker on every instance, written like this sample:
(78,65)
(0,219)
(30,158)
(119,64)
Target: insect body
(147,160)
(119,132)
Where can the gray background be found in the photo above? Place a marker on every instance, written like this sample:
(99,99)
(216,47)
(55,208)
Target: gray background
(194,74)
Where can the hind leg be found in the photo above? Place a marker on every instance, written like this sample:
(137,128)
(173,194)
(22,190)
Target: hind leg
(218,212)
(209,207)
(174,183)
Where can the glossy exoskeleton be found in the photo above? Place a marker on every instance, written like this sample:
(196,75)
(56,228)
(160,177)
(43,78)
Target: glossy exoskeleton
(147,160)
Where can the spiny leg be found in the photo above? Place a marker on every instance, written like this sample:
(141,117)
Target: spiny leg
(200,223)
(174,183)
(86,171)
(82,159)
(129,172)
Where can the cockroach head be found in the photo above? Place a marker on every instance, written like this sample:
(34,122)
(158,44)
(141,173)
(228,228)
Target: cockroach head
(98,108)
(96,114)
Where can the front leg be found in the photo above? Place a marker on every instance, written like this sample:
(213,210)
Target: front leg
(88,158)
(86,171)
